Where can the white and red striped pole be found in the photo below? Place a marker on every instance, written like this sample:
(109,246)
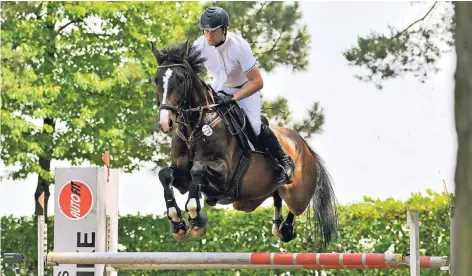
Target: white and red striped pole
(192,260)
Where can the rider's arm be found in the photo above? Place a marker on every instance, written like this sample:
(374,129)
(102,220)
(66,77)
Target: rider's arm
(255,84)
(249,65)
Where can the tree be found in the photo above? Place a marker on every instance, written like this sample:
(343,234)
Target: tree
(412,50)
(416,49)
(75,81)
(76,76)
(278,113)
(462,215)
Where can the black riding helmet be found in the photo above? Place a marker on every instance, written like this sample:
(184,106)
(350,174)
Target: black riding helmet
(213,18)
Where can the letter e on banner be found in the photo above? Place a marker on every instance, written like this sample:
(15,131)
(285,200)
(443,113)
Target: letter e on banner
(75,200)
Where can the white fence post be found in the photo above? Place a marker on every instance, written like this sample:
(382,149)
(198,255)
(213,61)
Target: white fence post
(42,238)
(413,222)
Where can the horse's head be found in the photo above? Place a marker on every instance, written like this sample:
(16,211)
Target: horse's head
(175,80)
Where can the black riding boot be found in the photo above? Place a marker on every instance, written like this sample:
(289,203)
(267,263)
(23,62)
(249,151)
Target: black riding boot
(268,139)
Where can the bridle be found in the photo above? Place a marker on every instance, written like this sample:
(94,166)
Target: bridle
(184,102)
(183,110)
(186,90)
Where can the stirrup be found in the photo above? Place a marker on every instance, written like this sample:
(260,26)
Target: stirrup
(287,161)
(283,178)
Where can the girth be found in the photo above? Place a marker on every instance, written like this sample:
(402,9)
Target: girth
(235,120)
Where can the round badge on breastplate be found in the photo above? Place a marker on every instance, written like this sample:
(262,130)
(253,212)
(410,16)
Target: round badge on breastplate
(207,130)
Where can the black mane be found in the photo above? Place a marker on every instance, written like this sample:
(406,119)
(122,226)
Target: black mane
(194,57)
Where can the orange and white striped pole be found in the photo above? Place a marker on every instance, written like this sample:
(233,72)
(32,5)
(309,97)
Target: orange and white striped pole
(191,260)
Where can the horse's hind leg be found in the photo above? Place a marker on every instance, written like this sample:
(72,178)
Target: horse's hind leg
(283,230)
(171,176)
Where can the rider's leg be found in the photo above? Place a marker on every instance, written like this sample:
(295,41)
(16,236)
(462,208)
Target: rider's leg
(269,139)
(252,107)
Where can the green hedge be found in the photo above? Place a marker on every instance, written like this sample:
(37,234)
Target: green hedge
(371,226)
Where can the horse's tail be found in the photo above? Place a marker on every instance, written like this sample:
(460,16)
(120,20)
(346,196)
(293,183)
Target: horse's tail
(323,203)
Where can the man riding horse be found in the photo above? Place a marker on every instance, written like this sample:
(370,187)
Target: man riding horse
(236,77)
(210,152)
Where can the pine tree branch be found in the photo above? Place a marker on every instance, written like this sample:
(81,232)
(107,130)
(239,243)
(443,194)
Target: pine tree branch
(417,21)
(260,9)
(286,25)
(255,16)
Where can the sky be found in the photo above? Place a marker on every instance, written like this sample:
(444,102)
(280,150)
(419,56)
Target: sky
(389,143)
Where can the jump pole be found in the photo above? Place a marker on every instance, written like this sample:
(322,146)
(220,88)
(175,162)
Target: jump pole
(265,259)
(86,239)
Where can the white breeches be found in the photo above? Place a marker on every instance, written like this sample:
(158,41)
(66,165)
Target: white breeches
(252,106)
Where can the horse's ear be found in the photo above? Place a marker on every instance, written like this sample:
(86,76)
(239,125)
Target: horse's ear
(156,52)
(184,49)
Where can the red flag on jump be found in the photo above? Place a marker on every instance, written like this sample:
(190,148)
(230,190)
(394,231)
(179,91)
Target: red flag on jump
(106,158)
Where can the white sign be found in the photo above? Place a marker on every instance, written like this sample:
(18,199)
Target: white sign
(82,196)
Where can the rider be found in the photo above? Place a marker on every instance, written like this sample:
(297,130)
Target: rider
(233,67)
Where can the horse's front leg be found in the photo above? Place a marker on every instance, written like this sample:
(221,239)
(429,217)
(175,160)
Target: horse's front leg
(173,176)
(198,221)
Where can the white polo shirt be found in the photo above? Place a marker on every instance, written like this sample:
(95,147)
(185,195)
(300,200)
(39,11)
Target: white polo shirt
(229,62)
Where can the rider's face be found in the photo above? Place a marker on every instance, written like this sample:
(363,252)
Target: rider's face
(214,37)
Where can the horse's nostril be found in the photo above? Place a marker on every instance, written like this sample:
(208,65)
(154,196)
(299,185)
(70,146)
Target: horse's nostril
(171,124)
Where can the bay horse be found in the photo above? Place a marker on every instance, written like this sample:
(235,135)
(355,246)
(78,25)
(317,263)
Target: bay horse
(214,152)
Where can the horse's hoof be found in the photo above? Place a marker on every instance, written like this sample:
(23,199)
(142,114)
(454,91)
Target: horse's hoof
(199,225)
(287,232)
(182,235)
(181,229)
(199,232)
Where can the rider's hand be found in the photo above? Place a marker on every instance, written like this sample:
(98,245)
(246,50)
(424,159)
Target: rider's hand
(225,99)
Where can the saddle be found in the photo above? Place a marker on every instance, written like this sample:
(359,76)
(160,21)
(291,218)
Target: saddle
(237,123)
